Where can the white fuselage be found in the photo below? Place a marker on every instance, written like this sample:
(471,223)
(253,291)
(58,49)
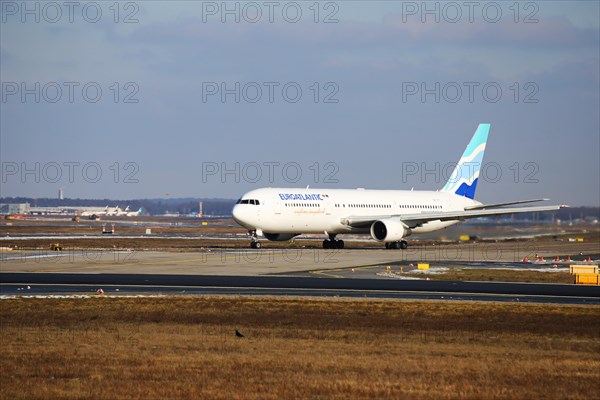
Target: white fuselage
(299,211)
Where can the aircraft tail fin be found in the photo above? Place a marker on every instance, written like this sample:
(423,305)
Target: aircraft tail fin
(463,180)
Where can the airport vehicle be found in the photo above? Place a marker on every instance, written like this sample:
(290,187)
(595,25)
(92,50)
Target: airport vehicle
(14,216)
(389,216)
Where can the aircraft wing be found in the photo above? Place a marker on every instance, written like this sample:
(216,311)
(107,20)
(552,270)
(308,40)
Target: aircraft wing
(512,203)
(416,220)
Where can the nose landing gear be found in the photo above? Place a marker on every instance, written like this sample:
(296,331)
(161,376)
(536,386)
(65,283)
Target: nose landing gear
(254,244)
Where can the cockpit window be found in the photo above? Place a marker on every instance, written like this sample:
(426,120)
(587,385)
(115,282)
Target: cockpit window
(249,201)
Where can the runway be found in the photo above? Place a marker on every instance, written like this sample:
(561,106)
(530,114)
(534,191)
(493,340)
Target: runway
(53,283)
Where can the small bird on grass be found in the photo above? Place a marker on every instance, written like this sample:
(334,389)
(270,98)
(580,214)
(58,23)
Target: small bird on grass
(238,334)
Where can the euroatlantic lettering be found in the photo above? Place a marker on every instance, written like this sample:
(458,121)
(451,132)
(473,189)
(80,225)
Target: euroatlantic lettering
(300,196)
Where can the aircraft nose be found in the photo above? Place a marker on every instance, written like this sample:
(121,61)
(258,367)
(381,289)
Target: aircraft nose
(237,214)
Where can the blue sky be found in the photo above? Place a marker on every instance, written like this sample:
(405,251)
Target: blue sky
(356,123)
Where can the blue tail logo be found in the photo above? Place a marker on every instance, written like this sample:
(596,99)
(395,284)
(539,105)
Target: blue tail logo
(463,180)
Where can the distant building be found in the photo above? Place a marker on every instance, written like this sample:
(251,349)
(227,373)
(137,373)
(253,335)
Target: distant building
(61,193)
(18,208)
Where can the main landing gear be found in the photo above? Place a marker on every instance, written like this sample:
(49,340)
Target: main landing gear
(254,244)
(402,244)
(331,243)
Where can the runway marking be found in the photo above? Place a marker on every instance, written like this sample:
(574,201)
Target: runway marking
(321,272)
(368,267)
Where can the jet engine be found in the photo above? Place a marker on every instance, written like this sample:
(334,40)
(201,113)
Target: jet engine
(389,230)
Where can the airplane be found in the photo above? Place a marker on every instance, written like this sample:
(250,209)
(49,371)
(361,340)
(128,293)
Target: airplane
(117,211)
(127,212)
(112,211)
(121,213)
(133,213)
(389,216)
(96,212)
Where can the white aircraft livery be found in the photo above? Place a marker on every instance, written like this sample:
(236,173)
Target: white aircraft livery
(388,216)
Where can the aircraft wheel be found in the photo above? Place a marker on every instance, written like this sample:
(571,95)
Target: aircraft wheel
(326,244)
(403,244)
(395,245)
(387,245)
(339,244)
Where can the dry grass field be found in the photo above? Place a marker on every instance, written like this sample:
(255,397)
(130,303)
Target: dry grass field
(296,348)
(497,275)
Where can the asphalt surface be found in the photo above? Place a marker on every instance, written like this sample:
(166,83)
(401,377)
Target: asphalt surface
(48,283)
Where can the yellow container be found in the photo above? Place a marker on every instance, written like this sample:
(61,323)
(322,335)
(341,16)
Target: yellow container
(587,279)
(464,238)
(580,239)
(423,266)
(583,269)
